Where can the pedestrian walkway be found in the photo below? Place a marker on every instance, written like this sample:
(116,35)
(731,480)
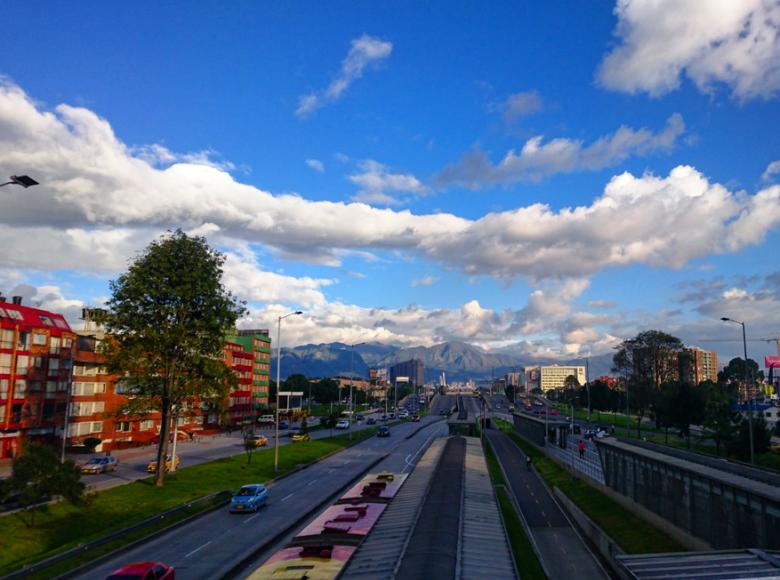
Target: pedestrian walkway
(589,464)
(562,552)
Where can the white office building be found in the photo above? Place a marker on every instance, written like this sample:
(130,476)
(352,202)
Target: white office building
(552,376)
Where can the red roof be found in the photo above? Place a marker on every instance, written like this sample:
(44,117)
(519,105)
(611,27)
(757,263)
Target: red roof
(13,314)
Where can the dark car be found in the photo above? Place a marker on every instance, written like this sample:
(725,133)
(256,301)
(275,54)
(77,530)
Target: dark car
(383,432)
(284,425)
(443,412)
(359,418)
(370,421)
(416,418)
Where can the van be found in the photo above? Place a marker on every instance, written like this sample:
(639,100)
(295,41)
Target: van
(266,419)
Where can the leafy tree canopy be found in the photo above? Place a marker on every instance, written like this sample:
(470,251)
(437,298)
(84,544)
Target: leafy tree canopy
(167,318)
(37,475)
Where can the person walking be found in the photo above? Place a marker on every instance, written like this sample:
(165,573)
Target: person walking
(581,447)
(528,462)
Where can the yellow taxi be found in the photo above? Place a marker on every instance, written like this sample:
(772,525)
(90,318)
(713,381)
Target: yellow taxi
(152,465)
(300,437)
(257,440)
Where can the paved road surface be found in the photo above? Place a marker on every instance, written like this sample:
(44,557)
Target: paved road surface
(563,552)
(133,462)
(206,547)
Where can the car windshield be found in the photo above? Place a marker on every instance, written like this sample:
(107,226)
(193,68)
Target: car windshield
(244,491)
(95,461)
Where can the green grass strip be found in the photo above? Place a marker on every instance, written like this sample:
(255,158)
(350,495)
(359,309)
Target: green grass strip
(63,526)
(632,533)
(525,558)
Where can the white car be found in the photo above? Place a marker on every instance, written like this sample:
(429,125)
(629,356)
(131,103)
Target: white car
(342,424)
(403,414)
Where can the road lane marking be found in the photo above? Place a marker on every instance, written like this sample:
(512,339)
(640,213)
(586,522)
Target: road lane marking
(312,482)
(198,549)
(285,498)
(246,521)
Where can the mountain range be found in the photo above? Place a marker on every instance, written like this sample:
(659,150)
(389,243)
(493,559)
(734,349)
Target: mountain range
(460,361)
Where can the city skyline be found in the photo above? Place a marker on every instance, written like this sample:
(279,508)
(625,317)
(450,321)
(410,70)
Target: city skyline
(404,176)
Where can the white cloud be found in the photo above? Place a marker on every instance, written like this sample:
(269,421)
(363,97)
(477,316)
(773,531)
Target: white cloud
(424,281)
(734,43)
(377,183)
(364,51)
(98,204)
(519,105)
(316,165)
(538,158)
(771,170)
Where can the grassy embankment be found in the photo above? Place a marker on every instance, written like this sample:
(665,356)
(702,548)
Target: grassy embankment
(525,558)
(632,533)
(63,526)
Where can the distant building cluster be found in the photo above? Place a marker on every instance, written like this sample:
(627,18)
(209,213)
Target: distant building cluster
(54,379)
(411,371)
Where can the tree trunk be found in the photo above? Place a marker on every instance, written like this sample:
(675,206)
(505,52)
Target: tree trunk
(162,448)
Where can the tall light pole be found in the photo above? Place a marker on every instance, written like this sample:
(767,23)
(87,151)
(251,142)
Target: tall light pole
(587,386)
(24,180)
(747,387)
(278,386)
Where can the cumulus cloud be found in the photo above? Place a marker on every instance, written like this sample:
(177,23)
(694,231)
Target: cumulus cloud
(519,105)
(538,158)
(771,170)
(364,51)
(316,165)
(98,204)
(736,44)
(378,185)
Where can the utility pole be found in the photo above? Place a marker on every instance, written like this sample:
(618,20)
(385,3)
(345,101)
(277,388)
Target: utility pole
(587,387)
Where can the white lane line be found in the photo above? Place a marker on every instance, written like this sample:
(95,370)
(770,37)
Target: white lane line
(410,463)
(312,482)
(330,471)
(285,498)
(198,549)
(246,521)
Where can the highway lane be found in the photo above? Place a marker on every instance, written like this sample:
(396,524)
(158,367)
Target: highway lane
(207,546)
(133,462)
(402,460)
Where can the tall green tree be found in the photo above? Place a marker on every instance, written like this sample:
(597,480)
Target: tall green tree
(167,318)
(645,362)
(37,475)
(719,416)
(761,437)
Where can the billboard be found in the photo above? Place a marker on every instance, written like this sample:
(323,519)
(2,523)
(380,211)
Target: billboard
(772,360)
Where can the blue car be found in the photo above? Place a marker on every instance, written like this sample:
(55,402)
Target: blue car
(249,498)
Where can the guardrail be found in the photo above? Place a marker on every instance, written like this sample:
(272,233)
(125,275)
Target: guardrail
(219,498)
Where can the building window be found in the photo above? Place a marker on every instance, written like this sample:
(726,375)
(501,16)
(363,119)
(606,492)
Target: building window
(22,364)
(16,413)
(2,413)
(38,362)
(51,388)
(54,366)
(48,410)
(122,426)
(14,314)
(39,339)
(20,389)
(6,338)
(146,425)
(5,363)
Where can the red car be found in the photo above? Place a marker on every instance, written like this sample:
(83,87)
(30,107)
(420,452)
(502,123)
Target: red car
(144,571)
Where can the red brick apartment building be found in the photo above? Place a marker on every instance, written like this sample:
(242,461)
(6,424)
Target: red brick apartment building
(36,356)
(240,405)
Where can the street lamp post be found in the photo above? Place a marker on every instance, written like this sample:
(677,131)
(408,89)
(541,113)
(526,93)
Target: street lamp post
(24,180)
(278,375)
(587,387)
(747,387)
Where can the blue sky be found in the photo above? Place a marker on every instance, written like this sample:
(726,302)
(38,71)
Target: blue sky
(547,178)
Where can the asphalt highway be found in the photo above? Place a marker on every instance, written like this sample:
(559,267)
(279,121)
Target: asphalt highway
(210,545)
(133,462)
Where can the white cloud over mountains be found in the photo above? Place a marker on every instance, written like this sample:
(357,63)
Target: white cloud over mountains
(537,158)
(364,51)
(732,43)
(98,203)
